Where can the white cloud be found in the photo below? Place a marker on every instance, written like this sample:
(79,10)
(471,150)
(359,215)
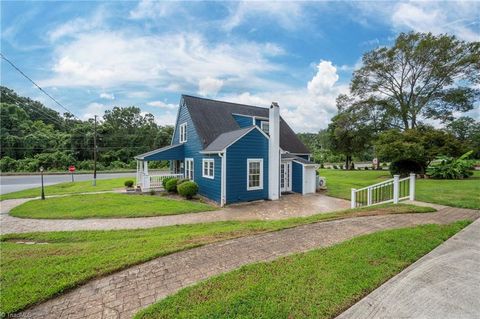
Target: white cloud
(306,109)
(77,26)
(93,109)
(209,86)
(107,96)
(147,9)
(166,118)
(440,17)
(163,105)
(289,15)
(160,60)
(459,18)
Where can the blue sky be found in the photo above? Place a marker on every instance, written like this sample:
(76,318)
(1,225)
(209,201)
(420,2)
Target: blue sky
(92,56)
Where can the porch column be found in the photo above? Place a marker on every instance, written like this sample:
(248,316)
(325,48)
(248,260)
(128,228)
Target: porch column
(146,177)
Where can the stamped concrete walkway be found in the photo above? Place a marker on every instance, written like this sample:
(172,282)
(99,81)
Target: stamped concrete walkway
(122,294)
(293,205)
(445,283)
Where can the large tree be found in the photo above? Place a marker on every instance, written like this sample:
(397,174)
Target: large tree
(421,75)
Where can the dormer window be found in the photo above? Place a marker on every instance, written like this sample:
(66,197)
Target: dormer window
(265,127)
(183,133)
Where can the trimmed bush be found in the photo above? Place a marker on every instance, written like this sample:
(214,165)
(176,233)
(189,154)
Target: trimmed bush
(182,180)
(128,183)
(188,189)
(171,185)
(405,167)
(366,168)
(165,180)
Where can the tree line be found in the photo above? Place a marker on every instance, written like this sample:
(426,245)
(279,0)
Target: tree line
(33,135)
(405,105)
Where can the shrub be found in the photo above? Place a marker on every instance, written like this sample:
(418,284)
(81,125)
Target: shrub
(405,167)
(165,180)
(128,183)
(8,164)
(322,166)
(450,168)
(188,189)
(171,185)
(335,167)
(366,168)
(352,166)
(182,180)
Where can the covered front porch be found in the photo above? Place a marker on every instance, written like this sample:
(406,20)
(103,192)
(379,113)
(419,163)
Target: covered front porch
(146,180)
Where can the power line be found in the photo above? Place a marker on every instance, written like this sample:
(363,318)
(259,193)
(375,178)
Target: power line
(39,111)
(28,78)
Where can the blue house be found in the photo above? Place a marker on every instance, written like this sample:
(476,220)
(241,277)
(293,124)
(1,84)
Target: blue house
(234,152)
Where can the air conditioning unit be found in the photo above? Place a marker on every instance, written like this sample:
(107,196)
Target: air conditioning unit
(321,182)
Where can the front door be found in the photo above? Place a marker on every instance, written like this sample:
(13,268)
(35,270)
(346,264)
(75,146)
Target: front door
(286,177)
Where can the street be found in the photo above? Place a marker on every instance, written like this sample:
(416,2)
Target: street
(10,184)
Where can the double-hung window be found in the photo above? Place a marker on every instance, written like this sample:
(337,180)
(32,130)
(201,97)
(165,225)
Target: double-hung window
(265,126)
(183,133)
(208,168)
(254,174)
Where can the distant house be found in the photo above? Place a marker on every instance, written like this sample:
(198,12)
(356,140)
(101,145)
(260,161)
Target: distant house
(234,152)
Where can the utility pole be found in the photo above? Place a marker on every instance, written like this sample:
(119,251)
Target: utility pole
(95,152)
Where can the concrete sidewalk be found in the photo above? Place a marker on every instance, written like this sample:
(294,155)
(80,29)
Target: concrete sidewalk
(443,284)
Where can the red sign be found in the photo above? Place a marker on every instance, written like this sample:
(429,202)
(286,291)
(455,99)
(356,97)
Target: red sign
(71,168)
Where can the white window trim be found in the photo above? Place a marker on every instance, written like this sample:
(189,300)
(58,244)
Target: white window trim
(262,123)
(182,132)
(192,168)
(207,161)
(253,160)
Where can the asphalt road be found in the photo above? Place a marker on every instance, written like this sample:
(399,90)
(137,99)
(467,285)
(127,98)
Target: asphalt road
(10,184)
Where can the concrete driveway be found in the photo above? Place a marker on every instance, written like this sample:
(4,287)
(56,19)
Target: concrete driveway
(443,284)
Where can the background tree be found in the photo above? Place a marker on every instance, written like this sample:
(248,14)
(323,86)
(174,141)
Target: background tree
(421,75)
(413,150)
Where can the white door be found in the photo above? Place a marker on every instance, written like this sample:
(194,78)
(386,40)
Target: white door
(189,168)
(309,180)
(286,177)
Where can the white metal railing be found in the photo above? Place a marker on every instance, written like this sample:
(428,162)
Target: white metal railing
(390,191)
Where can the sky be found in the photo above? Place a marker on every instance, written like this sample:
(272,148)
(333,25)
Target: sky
(92,56)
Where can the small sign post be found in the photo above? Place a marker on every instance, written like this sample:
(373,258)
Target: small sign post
(71,169)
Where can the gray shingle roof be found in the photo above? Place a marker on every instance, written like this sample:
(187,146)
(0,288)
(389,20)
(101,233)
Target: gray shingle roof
(213,118)
(225,139)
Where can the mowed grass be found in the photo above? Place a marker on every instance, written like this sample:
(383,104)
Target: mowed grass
(317,284)
(58,261)
(108,205)
(458,193)
(70,188)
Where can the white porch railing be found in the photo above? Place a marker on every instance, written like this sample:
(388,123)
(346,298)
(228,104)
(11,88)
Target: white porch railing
(390,191)
(146,181)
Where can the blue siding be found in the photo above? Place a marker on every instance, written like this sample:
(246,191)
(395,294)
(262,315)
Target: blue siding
(297,177)
(243,121)
(252,145)
(175,153)
(207,187)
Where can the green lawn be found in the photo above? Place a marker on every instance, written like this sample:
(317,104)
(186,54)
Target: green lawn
(458,193)
(106,205)
(317,284)
(32,273)
(70,188)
